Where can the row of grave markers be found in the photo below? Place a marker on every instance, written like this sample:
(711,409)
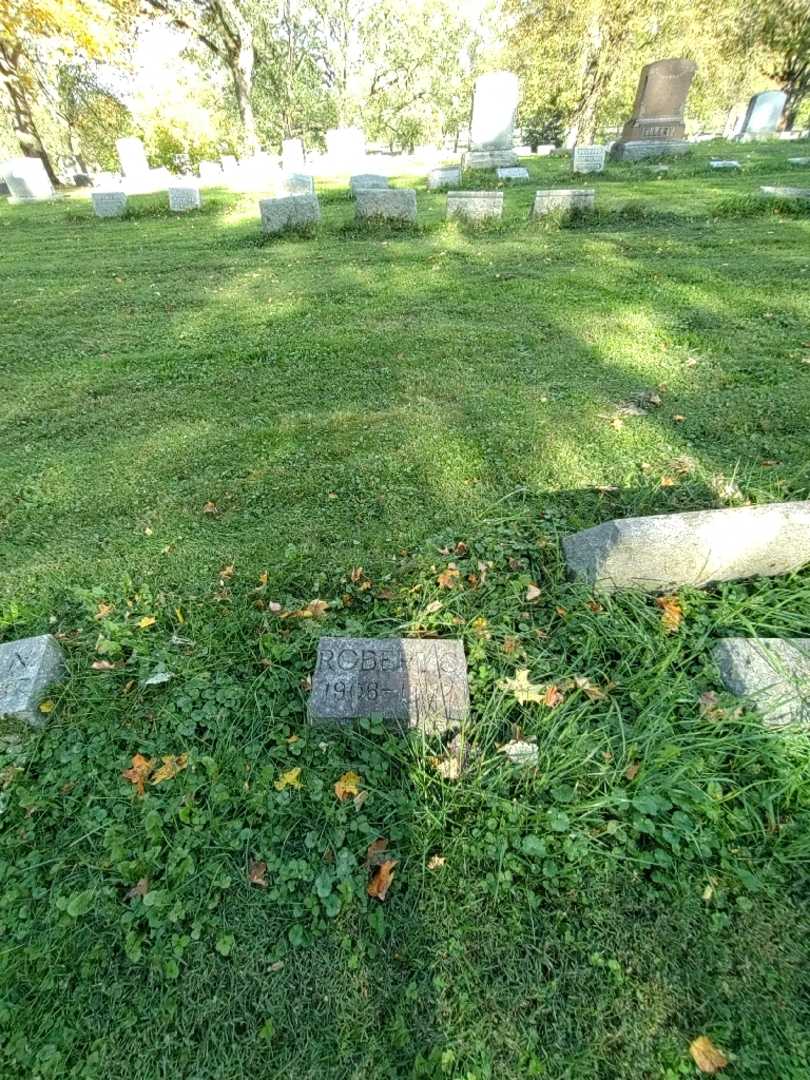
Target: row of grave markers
(422,684)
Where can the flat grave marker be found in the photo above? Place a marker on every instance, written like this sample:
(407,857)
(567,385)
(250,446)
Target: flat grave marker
(27,668)
(773,673)
(386,204)
(109,204)
(475,205)
(547,200)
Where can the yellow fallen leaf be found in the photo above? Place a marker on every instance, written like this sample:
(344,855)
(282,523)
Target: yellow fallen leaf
(47,706)
(146,622)
(170,768)
(533,592)
(179,615)
(263,578)
(104,610)
(448,578)
(347,786)
(433,607)
(435,862)
(706,1055)
(524,690)
(288,779)
(671,613)
(381,881)
(141,767)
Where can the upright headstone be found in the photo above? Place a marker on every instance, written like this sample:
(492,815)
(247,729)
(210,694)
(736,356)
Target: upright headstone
(289,212)
(475,205)
(131,154)
(773,673)
(441,178)
(27,668)
(385,204)
(413,683)
(297,184)
(185,196)
(512,172)
(549,200)
(656,125)
(763,115)
(27,180)
(735,121)
(589,159)
(364,181)
(108,204)
(495,100)
(667,551)
(292,155)
(345,147)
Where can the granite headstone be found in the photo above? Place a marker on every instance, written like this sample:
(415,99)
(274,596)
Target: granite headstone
(495,100)
(656,125)
(27,668)
(763,115)
(774,673)
(475,205)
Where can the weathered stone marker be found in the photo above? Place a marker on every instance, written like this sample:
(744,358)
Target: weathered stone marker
(27,180)
(763,115)
(109,204)
(786,192)
(589,159)
(773,673)
(656,125)
(548,200)
(27,668)
(385,204)
(730,164)
(442,178)
(415,683)
(669,550)
(184,197)
(366,181)
(799,161)
(495,100)
(475,205)
(290,212)
(296,183)
(512,172)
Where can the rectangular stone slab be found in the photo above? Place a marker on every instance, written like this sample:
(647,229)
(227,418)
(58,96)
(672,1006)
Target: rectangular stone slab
(413,683)
(588,159)
(774,673)
(474,205)
(669,550)
(27,668)
(439,178)
(184,197)
(109,203)
(512,172)
(548,200)
(290,212)
(786,192)
(364,181)
(388,204)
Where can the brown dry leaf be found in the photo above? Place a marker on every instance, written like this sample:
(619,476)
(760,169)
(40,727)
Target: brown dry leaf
(631,772)
(256,874)
(347,786)
(146,622)
(591,690)
(435,862)
(553,696)
(317,608)
(358,800)
(668,481)
(678,418)
(483,567)
(104,610)
(210,508)
(706,1055)
(139,889)
(595,606)
(510,644)
(461,548)
(291,778)
(561,611)
(374,851)
(102,665)
(671,613)
(170,768)
(227,572)
(433,607)
(532,593)
(263,579)
(523,689)
(357,574)
(141,767)
(448,578)
(381,881)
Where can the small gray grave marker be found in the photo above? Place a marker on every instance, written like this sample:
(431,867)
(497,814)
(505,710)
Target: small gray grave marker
(366,181)
(388,204)
(412,682)
(108,204)
(548,200)
(475,205)
(772,672)
(786,192)
(440,178)
(290,212)
(512,172)
(589,159)
(184,197)
(296,183)
(720,164)
(27,668)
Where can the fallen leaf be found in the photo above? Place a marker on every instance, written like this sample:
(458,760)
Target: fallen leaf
(315,609)
(617,423)
(447,578)
(432,608)
(256,874)
(706,1055)
(447,767)
(553,696)
(381,881)
(678,418)
(210,508)
(347,786)
(595,606)
(591,690)
(288,779)
(561,611)
(631,772)
(277,966)
(374,851)
(532,593)
(672,613)
(435,862)
(158,678)
(227,572)
(524,690)
(358,800)
(141,767)
(146,622)
(510,644)
(104,610)
(479,626)
(170,768)
(47,706)
(138,890)
(520,752)
(274,607)
(263,579)
(357,574)
(668,481)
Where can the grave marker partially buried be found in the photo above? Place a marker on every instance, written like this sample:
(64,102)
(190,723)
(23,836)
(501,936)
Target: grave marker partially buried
(27,668)
(412,683)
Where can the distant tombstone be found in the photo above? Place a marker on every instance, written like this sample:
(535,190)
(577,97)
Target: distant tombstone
(385,204)
(545,149)
(656,125)
(549,200)
(184,197)
(131,154)
(791,136)
(666,551)
(763,115)
(27,180)
(292,155)
(442,178)
(82,179)
(495,100)
(512,172)
(773,673)
(27,668)
(799,161)
(297,184)
(364,181)
(413,683)
(211,173)
(475,205)
(785,192)
(735,121)
(109,204)
(289,212)
(589,159)
(725,165)
(345,146)
(4,189)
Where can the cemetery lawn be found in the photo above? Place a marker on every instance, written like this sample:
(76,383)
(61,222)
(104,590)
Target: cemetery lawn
(202,434)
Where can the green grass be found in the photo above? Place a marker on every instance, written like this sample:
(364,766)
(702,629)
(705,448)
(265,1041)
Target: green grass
(378,398)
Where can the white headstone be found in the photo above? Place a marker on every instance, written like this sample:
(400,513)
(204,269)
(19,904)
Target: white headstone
(108,204)
(27,180)
(589,159)
(292,155)
(475,205)
(131,154)
(495,100)
(345,146)
(184,197)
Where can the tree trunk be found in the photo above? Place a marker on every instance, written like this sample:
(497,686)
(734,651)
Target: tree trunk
(240,58)
(22,116)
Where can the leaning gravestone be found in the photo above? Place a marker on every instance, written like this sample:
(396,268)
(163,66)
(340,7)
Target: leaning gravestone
(109,204)
(551,199)
(415,683)
(735,121)
(385,204)
(289,212)
(656,126)
(786,192)
(670,550)
(475,205)
(773,673)
(763,115)
(27,180)
(442,178)
(184,197)
(589,159)
(495,99)
(364,181)
(27,668)
(512,172)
